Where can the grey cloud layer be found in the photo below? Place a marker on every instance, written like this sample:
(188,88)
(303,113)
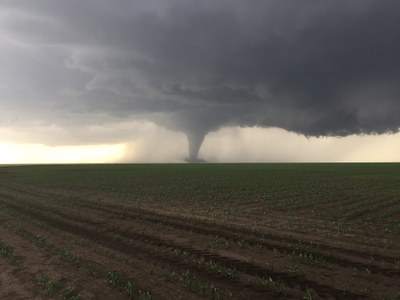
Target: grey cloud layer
(314,67)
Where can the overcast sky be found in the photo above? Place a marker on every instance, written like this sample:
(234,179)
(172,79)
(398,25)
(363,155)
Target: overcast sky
(260,80)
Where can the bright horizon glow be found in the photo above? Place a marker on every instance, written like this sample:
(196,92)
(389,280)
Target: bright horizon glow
(155,144)
(42,154)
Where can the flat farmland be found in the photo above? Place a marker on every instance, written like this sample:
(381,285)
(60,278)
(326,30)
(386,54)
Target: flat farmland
(200,231)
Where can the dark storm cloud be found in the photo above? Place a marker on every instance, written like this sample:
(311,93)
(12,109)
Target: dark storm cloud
(312,67)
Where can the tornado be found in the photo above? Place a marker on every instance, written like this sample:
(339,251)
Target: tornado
(195,140)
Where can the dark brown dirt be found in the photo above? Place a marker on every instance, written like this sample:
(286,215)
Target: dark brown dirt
(166,242)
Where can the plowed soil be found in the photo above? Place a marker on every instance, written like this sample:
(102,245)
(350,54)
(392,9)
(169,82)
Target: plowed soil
(103,245)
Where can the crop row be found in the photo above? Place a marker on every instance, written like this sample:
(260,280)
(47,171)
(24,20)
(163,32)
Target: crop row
(146,240)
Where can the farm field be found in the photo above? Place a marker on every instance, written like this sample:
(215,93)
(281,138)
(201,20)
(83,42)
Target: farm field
(200,231)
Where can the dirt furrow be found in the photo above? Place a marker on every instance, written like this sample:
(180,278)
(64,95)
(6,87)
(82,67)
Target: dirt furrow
(241,290)
(223,230)
(179,221)
(236,233)
(244,267)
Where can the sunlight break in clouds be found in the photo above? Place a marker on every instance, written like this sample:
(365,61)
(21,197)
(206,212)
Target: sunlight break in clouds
(155,144)
(42,154)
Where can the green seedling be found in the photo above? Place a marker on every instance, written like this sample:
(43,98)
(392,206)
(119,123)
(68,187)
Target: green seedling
(69,293)
(131,288)
(196,285)
(277,253)
(259,246)
(51,287)
(8,253)
(68,256)
(93,269)
(309,294)
(314,260)
(270,284)
(365,291)
(115,279)
(117,237)
(46,284)
(397,264)
(226,244)
(41,280)
(190,239)
(170,276)
(145,295)
(294,271)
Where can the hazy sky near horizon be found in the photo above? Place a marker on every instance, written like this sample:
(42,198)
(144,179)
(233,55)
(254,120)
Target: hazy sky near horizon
(135,80)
